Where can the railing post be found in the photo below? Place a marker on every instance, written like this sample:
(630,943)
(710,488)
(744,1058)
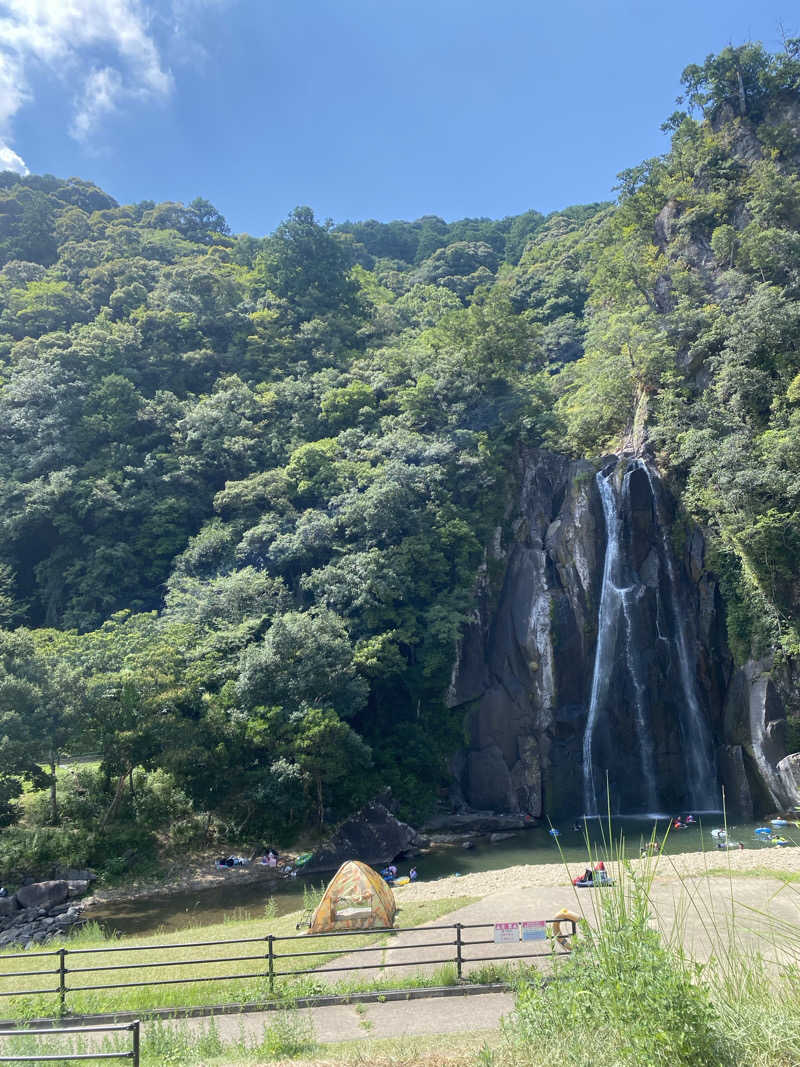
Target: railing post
(271,963)
(62,981)
(459,957)
(135,1047)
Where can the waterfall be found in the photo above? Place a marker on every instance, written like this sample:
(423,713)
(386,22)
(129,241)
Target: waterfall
(606,640)
(616,620)
(700,775)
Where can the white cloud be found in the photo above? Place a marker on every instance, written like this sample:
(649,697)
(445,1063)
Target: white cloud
(105,47)
(9,160)
(101,91)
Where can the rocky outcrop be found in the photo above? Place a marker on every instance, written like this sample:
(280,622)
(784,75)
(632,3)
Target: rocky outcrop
(38,912)
(789,770)
(673,710)
(756,704)
(374,836)
(526,662)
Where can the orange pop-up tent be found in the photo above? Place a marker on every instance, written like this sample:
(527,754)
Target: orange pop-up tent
(357,898)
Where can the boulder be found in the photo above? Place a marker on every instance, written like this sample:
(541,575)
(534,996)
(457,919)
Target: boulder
(77,888)
(373,835)
(789,771)
(43,894)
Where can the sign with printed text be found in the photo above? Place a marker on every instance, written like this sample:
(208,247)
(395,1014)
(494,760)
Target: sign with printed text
(504,932)
(534,931)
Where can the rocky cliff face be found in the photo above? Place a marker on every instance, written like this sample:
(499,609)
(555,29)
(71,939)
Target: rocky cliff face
(527,662)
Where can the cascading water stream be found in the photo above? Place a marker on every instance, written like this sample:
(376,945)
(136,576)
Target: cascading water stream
(606,639)
(616,604)
(700,775)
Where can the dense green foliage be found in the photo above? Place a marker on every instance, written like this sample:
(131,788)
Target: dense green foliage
(246,487)
(246,484)
(693,329)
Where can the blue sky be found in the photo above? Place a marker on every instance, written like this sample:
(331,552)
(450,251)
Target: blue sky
(362,108)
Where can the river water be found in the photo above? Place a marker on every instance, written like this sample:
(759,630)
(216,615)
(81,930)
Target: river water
(236,899)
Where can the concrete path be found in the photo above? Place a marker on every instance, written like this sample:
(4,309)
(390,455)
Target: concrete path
(350,1022)
(762,914)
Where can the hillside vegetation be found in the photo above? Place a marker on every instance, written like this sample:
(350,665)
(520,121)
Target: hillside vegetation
(246,484)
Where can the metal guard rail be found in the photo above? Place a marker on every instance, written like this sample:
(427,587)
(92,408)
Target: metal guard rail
(133,1028)
(556,945)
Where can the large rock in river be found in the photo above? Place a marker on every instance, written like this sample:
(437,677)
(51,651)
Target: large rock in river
(43,894)
(374,836)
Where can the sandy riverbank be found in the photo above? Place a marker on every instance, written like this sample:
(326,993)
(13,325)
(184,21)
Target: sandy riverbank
(667,868)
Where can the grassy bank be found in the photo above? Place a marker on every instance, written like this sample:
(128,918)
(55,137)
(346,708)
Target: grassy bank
(632,995)
(289,1038)
(248,958)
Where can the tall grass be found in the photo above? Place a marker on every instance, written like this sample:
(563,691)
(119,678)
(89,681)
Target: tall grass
(288,1035)
(631,992)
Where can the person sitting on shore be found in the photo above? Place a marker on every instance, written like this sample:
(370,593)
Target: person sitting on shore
(587,878)
(412,874)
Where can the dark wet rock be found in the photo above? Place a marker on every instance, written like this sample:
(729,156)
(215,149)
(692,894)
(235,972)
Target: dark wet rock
(43,894)
(524,671)
(373,835)
(733,775)
(789,771)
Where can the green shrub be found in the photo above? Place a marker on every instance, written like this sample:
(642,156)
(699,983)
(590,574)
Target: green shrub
(621,997)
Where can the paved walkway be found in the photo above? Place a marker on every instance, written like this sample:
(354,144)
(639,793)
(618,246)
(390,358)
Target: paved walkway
(351,1022)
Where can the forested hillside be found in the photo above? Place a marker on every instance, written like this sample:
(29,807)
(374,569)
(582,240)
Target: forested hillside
(247,484)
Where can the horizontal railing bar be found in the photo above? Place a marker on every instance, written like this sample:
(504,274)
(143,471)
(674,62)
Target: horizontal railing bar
(20,974)
(27,992)
(364,967)
(68,1056)
(159,963)
(163,981)
(486,926)
(367,948)
(99,1029)
(364,933)
(157,948)
(29,955)
(489,941)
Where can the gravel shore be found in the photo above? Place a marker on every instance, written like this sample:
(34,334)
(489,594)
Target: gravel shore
(667,868)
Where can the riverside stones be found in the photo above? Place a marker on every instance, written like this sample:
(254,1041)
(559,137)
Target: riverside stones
(39,911)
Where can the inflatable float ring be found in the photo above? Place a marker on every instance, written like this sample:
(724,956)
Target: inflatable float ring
(563,938)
